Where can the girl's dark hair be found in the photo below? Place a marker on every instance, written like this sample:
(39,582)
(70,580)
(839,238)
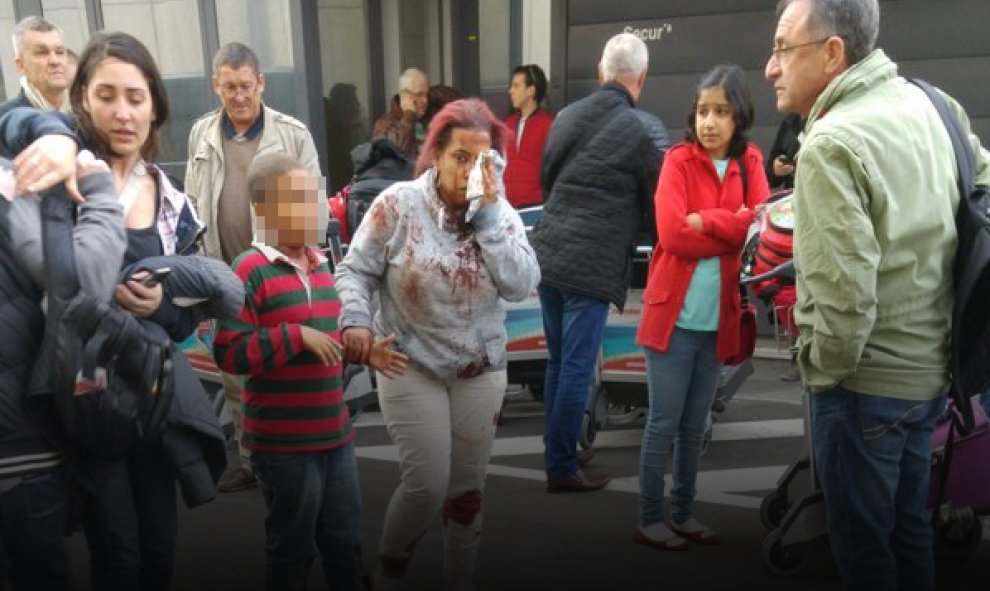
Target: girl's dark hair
(470,113)
(129,50)
(732,81)
(534,76)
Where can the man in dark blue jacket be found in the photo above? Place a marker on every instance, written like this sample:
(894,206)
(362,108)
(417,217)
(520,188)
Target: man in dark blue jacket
(599,172)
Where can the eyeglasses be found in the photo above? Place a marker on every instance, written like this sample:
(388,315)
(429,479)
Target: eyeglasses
(777,53)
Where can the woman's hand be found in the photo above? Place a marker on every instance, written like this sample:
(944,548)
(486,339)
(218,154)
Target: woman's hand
(694,221)
(357,344)
(87,164)
(50,160)
(781,168)
(385,360)
(138,299)
(321,344)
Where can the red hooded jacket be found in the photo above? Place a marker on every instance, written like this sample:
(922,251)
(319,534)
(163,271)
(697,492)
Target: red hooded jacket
(689,183)
(522,170)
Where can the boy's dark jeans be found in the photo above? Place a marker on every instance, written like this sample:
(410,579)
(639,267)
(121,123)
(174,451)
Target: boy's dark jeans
(314,505)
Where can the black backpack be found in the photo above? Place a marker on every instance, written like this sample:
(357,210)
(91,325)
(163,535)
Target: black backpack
(970,349)
(103,375)
(377,165)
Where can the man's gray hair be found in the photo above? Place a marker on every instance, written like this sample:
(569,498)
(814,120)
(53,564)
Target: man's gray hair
(624,54)
(235,56)
(31,23)
(856,21)
(407,77)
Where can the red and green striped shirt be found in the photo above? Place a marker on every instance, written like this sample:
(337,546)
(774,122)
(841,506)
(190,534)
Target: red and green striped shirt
(292,402)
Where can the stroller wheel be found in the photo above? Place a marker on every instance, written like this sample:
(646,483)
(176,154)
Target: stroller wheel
(772,510)
(959,537)
(594,417)
(777,559)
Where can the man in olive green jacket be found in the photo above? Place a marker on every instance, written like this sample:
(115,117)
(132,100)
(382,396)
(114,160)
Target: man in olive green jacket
(874,244)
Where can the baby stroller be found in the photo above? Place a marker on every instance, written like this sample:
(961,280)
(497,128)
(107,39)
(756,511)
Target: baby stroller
(794,511)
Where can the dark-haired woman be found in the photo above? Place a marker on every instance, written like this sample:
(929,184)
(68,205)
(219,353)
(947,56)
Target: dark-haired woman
(439,274)
(529,124)
(690,319)
(119,103)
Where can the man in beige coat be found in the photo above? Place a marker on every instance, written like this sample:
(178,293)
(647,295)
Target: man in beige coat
(222,145)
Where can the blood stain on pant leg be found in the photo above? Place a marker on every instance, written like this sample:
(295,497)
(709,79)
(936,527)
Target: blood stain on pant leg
(462,509)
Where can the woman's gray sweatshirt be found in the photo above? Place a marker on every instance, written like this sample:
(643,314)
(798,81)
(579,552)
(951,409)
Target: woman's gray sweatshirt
(439,280)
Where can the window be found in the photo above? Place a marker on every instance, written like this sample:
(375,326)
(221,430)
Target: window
(170,29)
(344,60)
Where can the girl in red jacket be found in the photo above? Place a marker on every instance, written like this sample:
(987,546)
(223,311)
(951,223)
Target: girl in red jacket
(704,206)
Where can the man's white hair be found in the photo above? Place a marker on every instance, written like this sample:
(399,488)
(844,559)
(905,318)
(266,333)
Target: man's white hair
(409,76)
(625,54)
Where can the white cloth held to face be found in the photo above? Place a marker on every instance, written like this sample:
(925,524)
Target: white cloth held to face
(475,184)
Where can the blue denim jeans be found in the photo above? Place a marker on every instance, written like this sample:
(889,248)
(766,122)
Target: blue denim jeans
(132,527)
(314,506)
(32,527)
(573,326)
(872,456)
(681,384)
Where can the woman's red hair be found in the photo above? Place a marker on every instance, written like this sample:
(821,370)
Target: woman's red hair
(469,113)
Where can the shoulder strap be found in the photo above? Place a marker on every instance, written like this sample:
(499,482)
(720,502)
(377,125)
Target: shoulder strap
(965,162)
(965,166)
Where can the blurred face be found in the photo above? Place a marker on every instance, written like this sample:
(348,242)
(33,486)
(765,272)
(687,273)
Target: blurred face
(293,213)
(417,90)
(43,61)
(240,92)
(520,94)
(797,66)
(713,122)
(119,102)
(454,164)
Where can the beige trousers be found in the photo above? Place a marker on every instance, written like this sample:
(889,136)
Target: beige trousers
(444,432)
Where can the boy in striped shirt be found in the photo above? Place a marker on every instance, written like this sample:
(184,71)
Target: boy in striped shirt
(296,424)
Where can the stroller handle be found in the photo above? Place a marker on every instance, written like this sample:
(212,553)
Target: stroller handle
(783,271)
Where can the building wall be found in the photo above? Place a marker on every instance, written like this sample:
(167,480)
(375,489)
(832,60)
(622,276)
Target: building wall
(687,37)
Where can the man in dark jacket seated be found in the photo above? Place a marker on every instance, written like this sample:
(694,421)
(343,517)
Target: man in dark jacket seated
(599,172)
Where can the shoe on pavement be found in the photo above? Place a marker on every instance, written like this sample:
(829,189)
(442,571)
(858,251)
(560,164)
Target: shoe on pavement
(584,456)
(694,530)
(240,479)
(580,482)
(659,536)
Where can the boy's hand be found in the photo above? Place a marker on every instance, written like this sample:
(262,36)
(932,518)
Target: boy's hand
(385,360)
(357,344)
(321,344)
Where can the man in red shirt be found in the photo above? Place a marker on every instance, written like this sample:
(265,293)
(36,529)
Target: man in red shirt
(530,124)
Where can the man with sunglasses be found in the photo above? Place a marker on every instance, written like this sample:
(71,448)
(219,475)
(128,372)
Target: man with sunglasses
(875,199)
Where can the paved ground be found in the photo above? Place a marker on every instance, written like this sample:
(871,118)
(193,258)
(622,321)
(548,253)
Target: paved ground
(534,540)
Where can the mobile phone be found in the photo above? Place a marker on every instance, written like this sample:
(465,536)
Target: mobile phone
(154,277)
(785,159)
